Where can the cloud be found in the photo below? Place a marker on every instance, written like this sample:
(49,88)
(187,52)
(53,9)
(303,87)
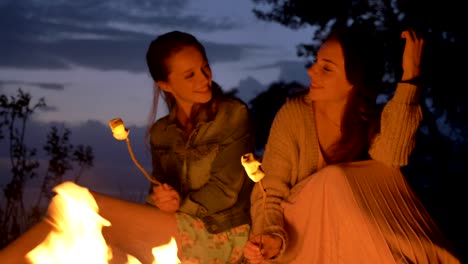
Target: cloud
(293,71)
(49,108)
(42,85)
(248,88)
(15,84)
(228,52)
(289,70)
(104,35)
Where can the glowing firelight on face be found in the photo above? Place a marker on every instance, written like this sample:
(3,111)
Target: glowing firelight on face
(77,234)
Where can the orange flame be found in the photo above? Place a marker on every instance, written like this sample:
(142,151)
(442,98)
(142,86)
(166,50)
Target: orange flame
(77,235)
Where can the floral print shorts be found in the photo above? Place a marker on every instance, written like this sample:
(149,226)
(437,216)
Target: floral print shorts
(198,246)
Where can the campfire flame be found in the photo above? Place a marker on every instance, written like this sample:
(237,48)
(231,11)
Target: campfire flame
(166,253)
(77,235)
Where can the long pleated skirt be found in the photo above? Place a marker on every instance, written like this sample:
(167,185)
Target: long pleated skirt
(361,212)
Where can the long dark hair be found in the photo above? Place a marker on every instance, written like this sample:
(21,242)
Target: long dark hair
(364,66)
(159,51)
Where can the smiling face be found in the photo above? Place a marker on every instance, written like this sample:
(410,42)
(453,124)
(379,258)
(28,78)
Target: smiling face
(189,79)
(328,75)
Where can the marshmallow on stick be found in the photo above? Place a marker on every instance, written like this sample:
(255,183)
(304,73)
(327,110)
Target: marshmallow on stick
(253,167)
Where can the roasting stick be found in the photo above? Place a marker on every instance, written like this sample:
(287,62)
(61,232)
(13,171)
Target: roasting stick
(121,133)
(254,169)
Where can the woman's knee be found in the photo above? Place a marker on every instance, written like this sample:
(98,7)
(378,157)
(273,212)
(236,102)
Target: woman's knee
(332,174)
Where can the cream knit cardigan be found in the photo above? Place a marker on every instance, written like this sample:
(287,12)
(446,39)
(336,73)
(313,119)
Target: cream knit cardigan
(292,151)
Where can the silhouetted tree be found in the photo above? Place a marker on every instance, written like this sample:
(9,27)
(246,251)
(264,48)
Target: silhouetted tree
(58,149)
(15,112)
(83,155)
(15,216)
(265,106)
(61,156)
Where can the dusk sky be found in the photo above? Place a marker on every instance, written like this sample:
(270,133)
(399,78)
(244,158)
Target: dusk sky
(87,60)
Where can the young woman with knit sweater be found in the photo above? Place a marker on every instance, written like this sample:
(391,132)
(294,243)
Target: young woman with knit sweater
(334,191)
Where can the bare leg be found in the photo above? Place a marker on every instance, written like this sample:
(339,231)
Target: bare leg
(135,230)
(16,251)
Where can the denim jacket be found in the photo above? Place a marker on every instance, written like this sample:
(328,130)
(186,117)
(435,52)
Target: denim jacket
(206,168)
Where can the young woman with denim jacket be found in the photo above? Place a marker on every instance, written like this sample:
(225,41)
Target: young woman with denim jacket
(196,151)
(204,197)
